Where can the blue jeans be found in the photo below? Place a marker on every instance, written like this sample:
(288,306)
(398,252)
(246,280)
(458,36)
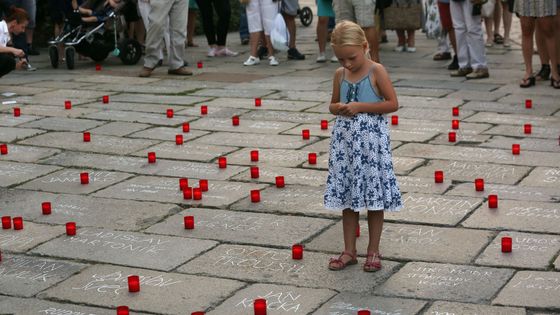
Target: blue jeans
(243,24)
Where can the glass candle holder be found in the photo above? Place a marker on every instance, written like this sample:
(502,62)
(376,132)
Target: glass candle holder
(297,251)
(479,184)
(324,124)
(455,111)
(3,149)
(67,104)
(169,113)
(178,139)
(438,176)
(492,201)
(189,222)
(506,244)
(255,196)
(254,156)
(203,184)
(279,181)
(46,208)
(186,127)
(452,136)
(71,228)
(151,157)
(133,283)
(84,178)
(87,136)
(394,120)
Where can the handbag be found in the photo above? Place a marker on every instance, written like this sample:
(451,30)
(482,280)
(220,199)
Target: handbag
(403,15)
(279,35)
(432,26)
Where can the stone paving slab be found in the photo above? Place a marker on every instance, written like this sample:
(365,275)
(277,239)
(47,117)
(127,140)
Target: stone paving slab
(9,134)
(478,95)
(461,139)
(213,111)
(57,111)
(279,300)
(538,100)
(32,235)
(537,289)
(269,157)
(26,276)
(168,134)
(8,120)
(529,251)
(347,303)
(422,184)
(245,126)
(118,129)
(255,140)
(158,108)
(322,108)
(435,114)
(314,130)
(542,177)
(187,151)
(15,173)
(528,216)
(138,117)
(438,126)
(115,79)
(156,99)
(514,119)
(413,242)
(241,93)
(427,92)
(267,103)
(139,88)
(20,306)
(68,181)
(282,115)
(260,264)
(63,124)
(106,286)
(403,165)
(60,95)
(23,90)
(125,248)
(412,136)
(548,132)
(509,108)
(525,193)
(242,227)
(530,144)
(59,84)
(432,281)
(27,154)
(442,307)
(302,95)
(448,84)
(293,176)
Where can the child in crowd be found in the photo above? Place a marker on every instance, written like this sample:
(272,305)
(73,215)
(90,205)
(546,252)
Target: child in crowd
(14,23)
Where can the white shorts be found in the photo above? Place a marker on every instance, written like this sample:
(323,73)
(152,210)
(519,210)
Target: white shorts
(261,14)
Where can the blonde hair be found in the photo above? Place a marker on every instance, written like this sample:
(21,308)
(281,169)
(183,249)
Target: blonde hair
(348,33)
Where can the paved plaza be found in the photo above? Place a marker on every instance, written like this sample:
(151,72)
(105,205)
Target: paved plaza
(442,252)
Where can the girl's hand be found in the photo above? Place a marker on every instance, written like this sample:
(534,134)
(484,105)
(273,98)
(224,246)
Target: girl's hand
(349,109)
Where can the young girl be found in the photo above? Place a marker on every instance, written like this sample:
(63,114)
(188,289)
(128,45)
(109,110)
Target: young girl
(361,172)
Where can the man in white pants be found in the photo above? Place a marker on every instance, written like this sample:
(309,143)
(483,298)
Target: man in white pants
(162,10)
(144,9)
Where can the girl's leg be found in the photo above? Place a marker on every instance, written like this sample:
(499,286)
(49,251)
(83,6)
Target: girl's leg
(375,226)
(349,226)
(527,29)
(254,39)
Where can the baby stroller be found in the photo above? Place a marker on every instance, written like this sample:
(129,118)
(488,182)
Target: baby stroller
(305,16)
(95,40)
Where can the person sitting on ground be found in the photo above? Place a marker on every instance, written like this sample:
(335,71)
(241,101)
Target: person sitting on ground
(14,23)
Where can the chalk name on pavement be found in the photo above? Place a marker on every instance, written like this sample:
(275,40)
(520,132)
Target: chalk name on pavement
(532,282)
(61,311)
(449,277)
(437,205)
(235,222)
(13,170)
(530,243)
(121,241)
(475,170)
(260,259)
(275,301)
(74,177)
(536,212)
(552,175)
(70,210)
(412,235)
(15,241)
(349,308)
(27,268)
(117,282)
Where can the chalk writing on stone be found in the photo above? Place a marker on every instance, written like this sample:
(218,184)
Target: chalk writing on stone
(120,241)
(235,222)
(437,205)
(533,282)
(61,311)
(448,277)
(530,243)
(535,212)
(15,241)
(552,176)
(117,282)
(406,235)
(26,268)
(277,301)
(260,259)
(349,308)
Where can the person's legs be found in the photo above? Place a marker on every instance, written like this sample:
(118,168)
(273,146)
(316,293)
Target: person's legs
(373,41)
(7,64)
(207,15)
(497,18)
(527,29)
(243,26)
(410,40)
(544,72)
(546,27)
(557,36)
(475,39)
(489,25)
(375,226)
(191,23)
(507,16)
(223,9)
(401,40)
(322,33)
(460,28)
(178,33)
(349,225)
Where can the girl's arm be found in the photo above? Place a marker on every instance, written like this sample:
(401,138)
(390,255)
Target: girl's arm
(335,105)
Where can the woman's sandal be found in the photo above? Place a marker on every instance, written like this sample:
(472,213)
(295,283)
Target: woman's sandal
(498,39)
(338,264)
(373,262)
(543,74)
(527,82)
(554,83)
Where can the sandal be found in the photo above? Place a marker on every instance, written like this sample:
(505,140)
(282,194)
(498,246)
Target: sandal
(373,262)
(498,39)
(555,83)
(527,82)
(338,264)
(544,73)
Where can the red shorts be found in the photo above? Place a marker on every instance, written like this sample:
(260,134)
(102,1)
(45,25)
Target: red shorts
(445,16)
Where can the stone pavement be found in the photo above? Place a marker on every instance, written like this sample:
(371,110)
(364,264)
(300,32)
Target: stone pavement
(442,251)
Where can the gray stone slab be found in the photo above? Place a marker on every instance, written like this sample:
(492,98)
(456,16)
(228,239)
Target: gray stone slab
(431,151)
(320,146)
(98,143)
(247,93)
(213,111)
(125,248)
(157,99)
(412,136)
(347,303)
(444,114)
(242,227)
(9,134)
(12,121)
(447,84)
(438,126)
(314,130)
(478,95)
(429,102)
(26,154)
(281,115)
(138,117)
(168,134)
(245,126)
(26,276)
(538,100)
(15,173)
(514,119)
(20,306)
(267,103)
(69,94)
(543,177)
(32,235)
(525,193)
(59,84)
(260,264)
(255,140)
(468,171)
(118,129)
(413,242)
(158,108)
(403,165)
(529,251)
(433,209)
(557,264)
(23,90)
(512,108)
(548,132)
(269,157)
(422,91)
(445,281)
(293,176)
(85,211)
(106,286)
(442,307)
(529,216)
(115,79)
(187,151)
(68,181)
(279,300)
(322,108)
(164,189)
(422,184)
(461,139)
(530,144)
(58,110)
(318,96)
(531,289)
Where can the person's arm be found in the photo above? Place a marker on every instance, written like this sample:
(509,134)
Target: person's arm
(335,105)
(14,51)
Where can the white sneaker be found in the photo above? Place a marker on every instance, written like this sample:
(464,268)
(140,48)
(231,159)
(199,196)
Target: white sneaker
(252,61)
(272,61)
(400,48)
(224,52)
(211,52)
(410,49)
(334,59)
(321,58)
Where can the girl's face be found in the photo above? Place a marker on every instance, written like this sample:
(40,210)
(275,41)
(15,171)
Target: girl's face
(351,57)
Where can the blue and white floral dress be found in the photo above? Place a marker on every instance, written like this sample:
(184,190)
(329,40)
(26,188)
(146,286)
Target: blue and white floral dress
(361,174)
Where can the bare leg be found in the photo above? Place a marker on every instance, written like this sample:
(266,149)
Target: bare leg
(191,23)
(375,226)
(401,39)
(291,25)
(547,29)
(410,40)
(507,21)
(269,46)
(349,225)
(527,29)
(322,33)
(254,42)
(557,36)
(497,17)
(489,25)
(373,41)
(541,49)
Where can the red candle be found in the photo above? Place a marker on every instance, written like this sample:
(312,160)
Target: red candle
(97,67)
(479,184)
(455,124)
(515,149)
(169,113)
(254,156)
(199,64)
(455,111)
(203,184)
(197,193)
(255,196)
(305,134)
(254,172)
(438,176)
(297,251)
(178,139)
(189,222)
(183,183)
(506,244)
(197,313)
(452,136)
(18,223)
(312,158)
(186,127)
(364,312)
(122,310)
(394,120)
(133,283)
(204,109)
(279,181)
(492,201)
(235,120)
(258,101)
(527,128)
(105,99)
(187,193)
(528,103)
(3,149)
(358,230)
(87,137)
(324,124)
(71,228)
(17,111)
(222,162)
(67,104)
(46,208)
(6,222)
(151,157)
(259,306)
(84,178)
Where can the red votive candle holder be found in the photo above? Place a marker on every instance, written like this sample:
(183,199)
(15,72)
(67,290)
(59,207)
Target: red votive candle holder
(97,67)
(254,172)
(258,101)
(18,223)
(528,103)
(122,310)
(312,158)
(255,196)
(279,181)
(235,120)
(506,244)
(67,104)
(169,113)
(198,313)
(222,162)
(527,128)
(187,193)
(183,183)
(204,109)
(151,157)
(71,228)
(358,230)
(455,111)
(254,156)
(364,312)
(203,184)
(493,201)
(6,222)
(305,134)
(479,184)
(515,149)
(259,306)
(189,222)
(452,136)
(186,127)
(87,136)
(3,149)
(178,139)
(105,99)
(17,111)
(133,283)
(84,178)
(199,64)
(455,124)
(197,193)
(297,251)
(46,208)
(394,120)
(324,124)
(438,176)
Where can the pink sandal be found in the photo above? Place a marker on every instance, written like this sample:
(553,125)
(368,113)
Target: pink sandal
(373,262)
(338,264)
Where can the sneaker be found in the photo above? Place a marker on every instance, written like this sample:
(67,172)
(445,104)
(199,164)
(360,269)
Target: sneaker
(272,61)
(211,52)
(29,67)
(321,58)
(262,52)
(293,53)
(410,49)
(252,61)
(479,73)
(454,65)
(180,71)
(224,52)
(399,48)
(461,72)
(334,59)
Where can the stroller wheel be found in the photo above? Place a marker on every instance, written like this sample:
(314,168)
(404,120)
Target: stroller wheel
(306,16)
(70,53)
(130,51)
(53,55)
